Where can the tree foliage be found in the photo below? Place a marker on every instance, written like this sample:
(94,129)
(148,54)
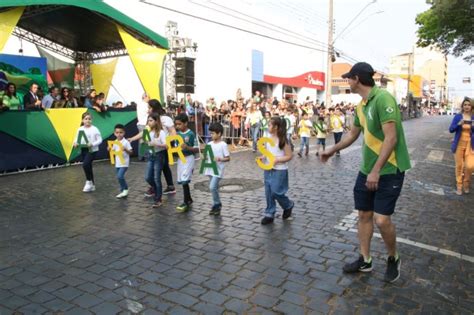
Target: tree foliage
(448,24)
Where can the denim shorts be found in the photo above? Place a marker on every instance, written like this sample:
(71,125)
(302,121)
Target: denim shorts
(321,141)
(384,199)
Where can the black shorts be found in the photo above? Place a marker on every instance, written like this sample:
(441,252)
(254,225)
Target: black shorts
(384,199)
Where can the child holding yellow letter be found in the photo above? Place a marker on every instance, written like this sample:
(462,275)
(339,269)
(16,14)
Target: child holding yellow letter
(185,169)
(121,162)
(276,179)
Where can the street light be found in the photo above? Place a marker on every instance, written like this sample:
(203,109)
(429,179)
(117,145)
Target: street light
(429,86)
(331,42)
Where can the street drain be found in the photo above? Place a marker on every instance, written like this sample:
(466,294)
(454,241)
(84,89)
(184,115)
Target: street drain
(231,185)
(229,188)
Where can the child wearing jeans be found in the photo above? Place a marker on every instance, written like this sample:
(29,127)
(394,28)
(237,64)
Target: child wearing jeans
(221,155)
(276,179)
(185,170)
(121,168)
(321,132)
(155,156)
(89,148)
(305,127)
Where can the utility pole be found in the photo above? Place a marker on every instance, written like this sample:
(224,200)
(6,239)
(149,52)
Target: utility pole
(330,55)
(410,56)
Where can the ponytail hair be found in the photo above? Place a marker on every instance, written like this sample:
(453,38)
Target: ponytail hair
(280,124)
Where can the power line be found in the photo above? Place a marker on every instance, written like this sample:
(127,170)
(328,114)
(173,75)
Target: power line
(233,27)
(266,23)
(285,5)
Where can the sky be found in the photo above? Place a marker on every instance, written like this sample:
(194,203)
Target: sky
(381,28)
(371,31)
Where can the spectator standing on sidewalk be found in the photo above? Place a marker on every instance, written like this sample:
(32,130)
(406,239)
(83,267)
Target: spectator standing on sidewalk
(463,146)
(384,162)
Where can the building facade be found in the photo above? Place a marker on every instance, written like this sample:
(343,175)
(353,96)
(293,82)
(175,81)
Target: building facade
(427,71)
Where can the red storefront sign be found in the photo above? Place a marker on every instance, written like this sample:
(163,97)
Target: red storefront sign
(312,80)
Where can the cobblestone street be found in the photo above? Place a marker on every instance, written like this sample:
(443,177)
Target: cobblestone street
(63,251)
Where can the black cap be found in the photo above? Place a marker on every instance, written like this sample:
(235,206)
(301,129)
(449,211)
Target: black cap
(358,69)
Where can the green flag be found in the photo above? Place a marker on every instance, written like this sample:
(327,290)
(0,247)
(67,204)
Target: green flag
(144,147)
(212,163)
(82,135)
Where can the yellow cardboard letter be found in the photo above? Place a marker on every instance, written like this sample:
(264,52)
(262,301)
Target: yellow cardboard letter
(267,154)
(113,153)
(176,149)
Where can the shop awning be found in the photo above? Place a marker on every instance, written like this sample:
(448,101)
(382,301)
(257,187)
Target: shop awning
(312,80)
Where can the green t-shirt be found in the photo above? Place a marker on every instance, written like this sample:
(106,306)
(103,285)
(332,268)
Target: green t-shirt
(381,108)
(11,102)
(189,139)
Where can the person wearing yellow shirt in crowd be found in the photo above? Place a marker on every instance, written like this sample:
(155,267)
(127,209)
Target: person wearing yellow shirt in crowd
(337,126)
(10,99)
(321,132)
(304,127)
(463,146)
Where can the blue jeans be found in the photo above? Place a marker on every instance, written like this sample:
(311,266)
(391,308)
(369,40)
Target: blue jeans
(254,130)
(304,142)
(153,172)
(120,172)
(337,137)
(207,136)
(214,188)
(290,141)
(276,186)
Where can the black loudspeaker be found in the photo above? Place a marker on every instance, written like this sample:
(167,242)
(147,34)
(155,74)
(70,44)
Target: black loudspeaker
(184,76)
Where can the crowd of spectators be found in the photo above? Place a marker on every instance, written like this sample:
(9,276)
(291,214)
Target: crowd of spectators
(36,99)
(244,118)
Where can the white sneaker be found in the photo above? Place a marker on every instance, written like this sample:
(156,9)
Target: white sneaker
(123,194)
(92,186)
(87,186)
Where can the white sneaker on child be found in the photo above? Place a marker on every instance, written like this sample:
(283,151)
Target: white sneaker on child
(87,186)
(123,194)
(92,186)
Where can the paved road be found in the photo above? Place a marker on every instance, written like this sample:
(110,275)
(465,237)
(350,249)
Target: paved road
(65,251)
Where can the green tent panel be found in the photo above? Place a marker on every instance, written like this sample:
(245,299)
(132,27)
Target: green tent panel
(106,122)
(33,128)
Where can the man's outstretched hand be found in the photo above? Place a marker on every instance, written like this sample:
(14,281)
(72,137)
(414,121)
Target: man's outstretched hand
(324,156)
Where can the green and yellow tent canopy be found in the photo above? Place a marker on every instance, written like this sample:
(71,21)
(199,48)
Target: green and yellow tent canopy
(91,29)
(81,25)
(53,131)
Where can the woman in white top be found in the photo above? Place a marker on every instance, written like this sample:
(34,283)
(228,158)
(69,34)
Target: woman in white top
(252,122)
(276,179)
(89,147)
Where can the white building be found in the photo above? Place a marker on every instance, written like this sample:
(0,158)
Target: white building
(229,58)
(243,45)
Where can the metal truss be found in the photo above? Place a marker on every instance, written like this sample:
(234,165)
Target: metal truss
(43,42)
(170,71)
(64,51)
(108,54)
